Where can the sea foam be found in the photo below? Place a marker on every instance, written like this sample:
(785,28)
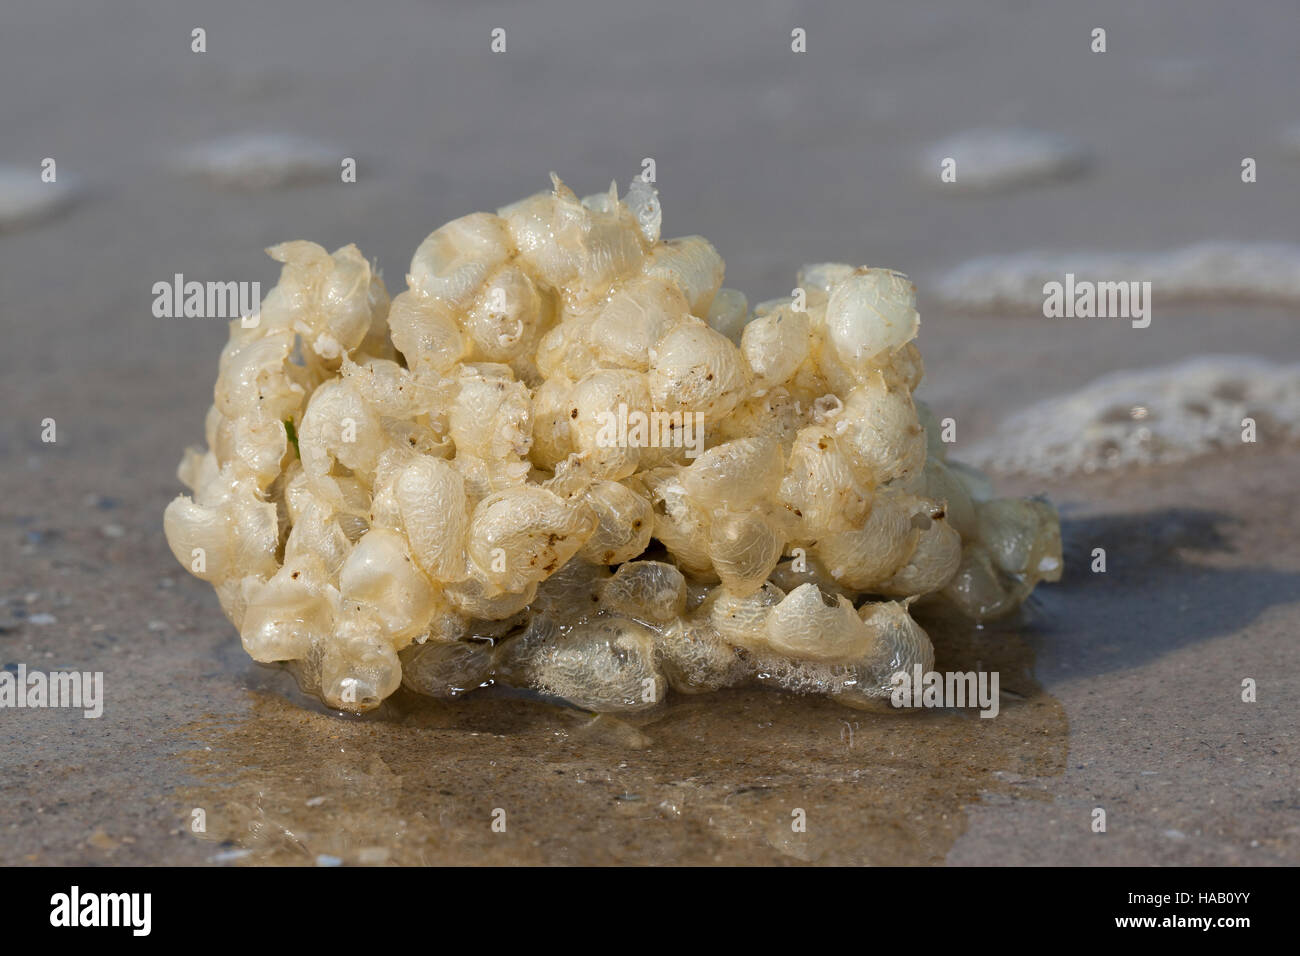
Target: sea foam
(1225,270)
(261,160)
(26,199)
(1147,416)
(999,159)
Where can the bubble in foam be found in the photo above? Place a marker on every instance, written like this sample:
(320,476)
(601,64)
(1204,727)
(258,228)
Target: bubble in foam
(1223,270)
(1148,416)
(999,159)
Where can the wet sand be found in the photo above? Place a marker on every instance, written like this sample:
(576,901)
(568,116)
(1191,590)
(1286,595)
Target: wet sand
(1120,690)
(1124,688)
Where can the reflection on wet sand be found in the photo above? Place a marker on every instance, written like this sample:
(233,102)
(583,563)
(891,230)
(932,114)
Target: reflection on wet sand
(714,779)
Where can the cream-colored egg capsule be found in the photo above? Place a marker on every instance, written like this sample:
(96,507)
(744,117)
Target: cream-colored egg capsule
(522,535)
(566,458)
(693,266)
(871,311)
(455,260)
(694,369)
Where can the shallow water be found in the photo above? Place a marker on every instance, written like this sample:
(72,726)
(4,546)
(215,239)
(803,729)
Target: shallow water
(711,779)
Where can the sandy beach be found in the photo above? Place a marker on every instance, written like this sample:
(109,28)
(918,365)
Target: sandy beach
(1122,689)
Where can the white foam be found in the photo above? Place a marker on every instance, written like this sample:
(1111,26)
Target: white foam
(1148,416)
(25,199)
(262,160)
(1228,270)
(994,159)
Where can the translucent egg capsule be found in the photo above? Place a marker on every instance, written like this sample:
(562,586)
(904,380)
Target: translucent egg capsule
(902,368)
(358,666)
(624,524)
(695,658)
(492,416)
(552,422)
(258,446)
(741,619)
(808,625)
(521,535)
(455,260)
(695,369)
(637,316)
(775,345)
(1023,538)
(806,569)
(607,664)
(606,408)
(384,385)
(446,670)
(571,247)
(352,299)
(977,589)
(820,488)
(643,203)
(735,474)
(828,678)
(425,331)
(295,608)
(898,644)
(776,415)
(862,558)
(938,483)
(571,593)
(331,300)
(566,350)
(197,469)
(315,529)
(744,548)
(679,524)
(506,316)
(870,311)
(817,280)
(233,595)
(881,433)
(233,535)
(255,376)
(932,563)
(477,598)
(381,574)
(434,513)
(338,426)
(649,591)
(692,265)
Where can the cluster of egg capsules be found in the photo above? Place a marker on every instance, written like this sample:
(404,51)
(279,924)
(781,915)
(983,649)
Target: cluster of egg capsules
(425,491)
